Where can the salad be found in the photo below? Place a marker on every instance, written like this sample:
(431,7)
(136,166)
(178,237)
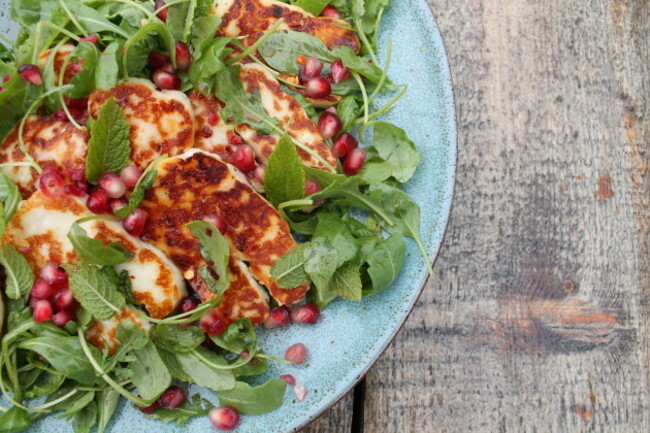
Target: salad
(174,175)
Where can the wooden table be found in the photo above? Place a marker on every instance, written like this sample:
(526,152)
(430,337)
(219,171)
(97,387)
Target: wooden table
(537,316)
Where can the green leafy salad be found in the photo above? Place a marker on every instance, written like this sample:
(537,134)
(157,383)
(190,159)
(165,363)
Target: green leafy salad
(101,102)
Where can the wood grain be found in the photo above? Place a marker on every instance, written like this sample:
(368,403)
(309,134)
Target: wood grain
(536,319)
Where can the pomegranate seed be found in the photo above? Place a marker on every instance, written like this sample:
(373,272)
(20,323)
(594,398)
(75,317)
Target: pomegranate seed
(42,311)
(300,60)
(77,189)
(354,161)
(54,275)
(42,290)
(259,174)
(61,318)
(116,204)
(187,304)
(329,124)
(130,175)
(79,115)
(162,15)
(149,409)
(157,59)
(112,185)
(166,80)
(311,68)
(318,87)
(300,391)
(213,322)
(235,140)
(134,223)
(183,56)
(332,12)
(339,72)
(93,38)
(76,174)
(75,67)
(306,314)
(331,109)
(311,187)
(64,301)
(296,354)
(31,74)
(213,120)
(244,158)
(245,354)
(217,221)
(278,318)
(76,103)
(224,417)
(60,115)
(172,397)
(52,183)
(289,379)
(97,202)
(6,78)
(344,145)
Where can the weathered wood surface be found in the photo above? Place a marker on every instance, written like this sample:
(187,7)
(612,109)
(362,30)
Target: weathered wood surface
(537,317)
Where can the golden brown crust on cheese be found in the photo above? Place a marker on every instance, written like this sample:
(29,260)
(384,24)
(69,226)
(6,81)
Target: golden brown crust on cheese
(60,57)
(102,333)
(212,133)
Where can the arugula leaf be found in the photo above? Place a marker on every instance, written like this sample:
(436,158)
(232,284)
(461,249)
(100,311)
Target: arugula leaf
(239,336)
(106,404)
(14,420)
(136,50)
(109,147)
(385,263)
(10,196)
(107,72)
(214,249)
(144,183)
(176,16)
(396,155)
(194,406)
(348,110)
(252,367)
(150,374)
(314,7)
(209,61)
(46,386)
(211,374)
(335,230)
(176,338)
(19,275)
(288,272)
(93,251)
(2,315)
(86,54)
(346,281)
(92,20)
(284,178)
(254,400)
(322,261)
(95,291)
(76,403)
(85,419)
(65,355)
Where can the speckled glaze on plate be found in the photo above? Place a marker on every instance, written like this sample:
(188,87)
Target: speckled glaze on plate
(350,336)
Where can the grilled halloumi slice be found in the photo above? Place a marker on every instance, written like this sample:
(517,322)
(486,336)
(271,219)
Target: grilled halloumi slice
(58,60)
(195,184)
(161,120)
(50,142)
(39,229)
(212,134)
(251,18)
(103,333)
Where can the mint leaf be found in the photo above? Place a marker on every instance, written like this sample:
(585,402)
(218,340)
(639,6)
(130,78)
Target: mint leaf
(93,251)
(95,291)
(19,275)
(335,230)
(385,263)
(284,178)
(109,147)
(239,336)
(175,338)
(10,196)
(215,250)
(288,272)
(144,183)
(346,281)
(254,400)
(322,261)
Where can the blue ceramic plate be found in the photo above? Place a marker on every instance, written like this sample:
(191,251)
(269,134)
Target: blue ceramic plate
(350,336)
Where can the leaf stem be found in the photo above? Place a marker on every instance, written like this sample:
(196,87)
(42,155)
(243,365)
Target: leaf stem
(221,367)
(62,100)
(364,40)
(135,4)
(385,108)
(187,30)
(54,402)
(72,18)
(364,94)
(301,202)
(60,30)
(304,147)
(6,40)
(384,73)
(257,43)
(273,358)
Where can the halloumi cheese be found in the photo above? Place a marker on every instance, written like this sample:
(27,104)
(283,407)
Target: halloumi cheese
(103,333)
(195,184)
(50,142)
(251,18)
(58,60)
(39,229)
(161,120)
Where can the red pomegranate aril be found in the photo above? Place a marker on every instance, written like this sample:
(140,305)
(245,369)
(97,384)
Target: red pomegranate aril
(305,314)
(187,304)
(245,354)
(166,80)
(233,139)
(162,15)
(31,74)
(60,115)
(354,161)
(157,59)
(278,318)
(344,145)
(76,174)
(311,68)
(77,189)
(300,392)
(217,221)
(149,409)
(76,103)
(259,174)
(134,223)
(6,78)
(79,115)
(244,158)
(62,318)
(213,120)
(112,185)
(331,109)
(318,87)
(329,124)
(332,12)
(64,300)
(116,204)
(171,398)
(213,322)
(97,202)
(289,379)
(224,417)
(296,354)
(42,311)
(93,38)
(52,183)
(130,175)
(42,290)
(339,72)
(54,275)
(311,187)
(183,56)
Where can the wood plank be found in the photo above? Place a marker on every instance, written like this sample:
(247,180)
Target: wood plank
(537,316)
(338,419)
